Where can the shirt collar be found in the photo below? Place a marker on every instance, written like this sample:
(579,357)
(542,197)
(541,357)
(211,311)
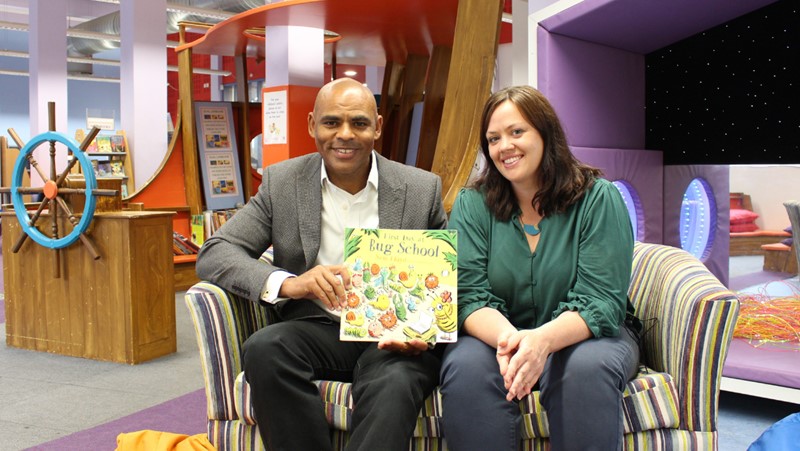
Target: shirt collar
(372,178)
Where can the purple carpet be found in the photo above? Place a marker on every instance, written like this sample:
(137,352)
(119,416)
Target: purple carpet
(183,415)
(756,278)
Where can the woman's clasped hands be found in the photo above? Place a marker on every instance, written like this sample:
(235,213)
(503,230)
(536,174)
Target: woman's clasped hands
(521,355)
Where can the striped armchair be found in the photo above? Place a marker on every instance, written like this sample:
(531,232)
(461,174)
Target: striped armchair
(672,404)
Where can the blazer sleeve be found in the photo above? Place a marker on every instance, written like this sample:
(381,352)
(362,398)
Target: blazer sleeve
(230,258)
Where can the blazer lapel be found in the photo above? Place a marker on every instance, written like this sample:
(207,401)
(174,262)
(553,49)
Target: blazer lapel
(391,196)
(309,209)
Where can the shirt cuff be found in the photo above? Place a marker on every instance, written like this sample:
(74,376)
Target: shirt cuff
(273,286)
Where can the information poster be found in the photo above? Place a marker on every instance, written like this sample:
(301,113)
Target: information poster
(275,124)
(219,158)
(102,119)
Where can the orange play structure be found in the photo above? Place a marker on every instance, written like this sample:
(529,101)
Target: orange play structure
(441,53)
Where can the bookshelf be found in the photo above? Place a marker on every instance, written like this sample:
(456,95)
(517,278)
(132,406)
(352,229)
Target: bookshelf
(111,158)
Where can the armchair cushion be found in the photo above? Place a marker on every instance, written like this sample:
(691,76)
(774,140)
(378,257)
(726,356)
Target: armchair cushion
(688,317)
(649,400)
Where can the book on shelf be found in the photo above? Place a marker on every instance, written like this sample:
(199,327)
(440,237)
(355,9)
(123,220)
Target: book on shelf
(198,233)
(214,219)
(117,143)
(182,245)
(116,168)
(92,147)
(403,285)
(103,143)
(103,168)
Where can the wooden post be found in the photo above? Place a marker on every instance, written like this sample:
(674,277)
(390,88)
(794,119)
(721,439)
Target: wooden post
(244,125)
(191,168)
(435,88)
(468,86)
(390,93)
(413,87)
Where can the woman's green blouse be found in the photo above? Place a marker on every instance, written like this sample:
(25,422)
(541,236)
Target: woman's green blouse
(582,262)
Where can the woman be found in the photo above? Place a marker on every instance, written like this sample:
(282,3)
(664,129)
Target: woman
(545,255)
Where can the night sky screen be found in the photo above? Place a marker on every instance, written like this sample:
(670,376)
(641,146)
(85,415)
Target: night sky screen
(729,95)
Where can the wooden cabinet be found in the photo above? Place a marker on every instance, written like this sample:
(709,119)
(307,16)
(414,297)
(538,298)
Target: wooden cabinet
(119,308)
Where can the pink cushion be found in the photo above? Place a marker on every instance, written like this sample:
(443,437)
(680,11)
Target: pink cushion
(739,216)
(746,227)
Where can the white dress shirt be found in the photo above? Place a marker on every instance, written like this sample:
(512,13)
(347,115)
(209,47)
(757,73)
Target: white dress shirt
(340,210)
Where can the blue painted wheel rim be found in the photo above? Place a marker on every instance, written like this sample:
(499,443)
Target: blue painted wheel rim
(19,204)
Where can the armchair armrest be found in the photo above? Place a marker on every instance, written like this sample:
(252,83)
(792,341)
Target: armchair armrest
(223,321)
(688,317)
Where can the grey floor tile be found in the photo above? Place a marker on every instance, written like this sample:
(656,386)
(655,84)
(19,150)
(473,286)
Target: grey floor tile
(17,437)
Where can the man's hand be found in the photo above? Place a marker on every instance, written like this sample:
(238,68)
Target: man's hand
(411,347)
(327,283)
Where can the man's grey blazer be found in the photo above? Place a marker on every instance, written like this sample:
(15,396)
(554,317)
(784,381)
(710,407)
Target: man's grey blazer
(286,214)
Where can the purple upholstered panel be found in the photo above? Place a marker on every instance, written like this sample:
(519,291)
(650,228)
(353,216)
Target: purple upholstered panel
(641,26)
(766,363)
(644,170)
(676,180)
(598,91)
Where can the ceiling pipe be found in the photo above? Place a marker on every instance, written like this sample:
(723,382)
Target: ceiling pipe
(212,11)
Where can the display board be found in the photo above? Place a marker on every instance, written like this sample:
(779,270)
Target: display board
(219,156)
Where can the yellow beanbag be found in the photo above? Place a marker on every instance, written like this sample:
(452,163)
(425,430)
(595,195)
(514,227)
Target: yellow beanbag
(162,441)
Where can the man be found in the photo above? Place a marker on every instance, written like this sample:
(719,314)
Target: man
(302,209)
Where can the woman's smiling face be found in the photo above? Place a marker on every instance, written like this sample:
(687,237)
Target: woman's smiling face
(515,146)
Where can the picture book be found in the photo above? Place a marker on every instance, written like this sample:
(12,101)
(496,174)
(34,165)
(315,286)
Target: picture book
(116,169)
(103,168)
(198,232)
(103,143)
(117,143)
(403,285)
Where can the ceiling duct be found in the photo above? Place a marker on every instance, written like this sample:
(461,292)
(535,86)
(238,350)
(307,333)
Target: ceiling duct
(109,24)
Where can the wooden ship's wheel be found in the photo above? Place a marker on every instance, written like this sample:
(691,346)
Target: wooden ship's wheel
(52,190)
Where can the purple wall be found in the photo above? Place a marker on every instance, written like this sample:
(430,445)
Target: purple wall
(591,67)
(644,26)
(676,180)
(643,169)
(598,91)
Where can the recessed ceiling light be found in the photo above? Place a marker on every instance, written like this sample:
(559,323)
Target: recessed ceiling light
(350,73)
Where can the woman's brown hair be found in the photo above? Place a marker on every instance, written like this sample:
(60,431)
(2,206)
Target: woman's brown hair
(563,179)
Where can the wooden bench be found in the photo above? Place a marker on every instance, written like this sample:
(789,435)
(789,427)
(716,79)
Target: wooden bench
(185,275)
(751,243)
(779,257)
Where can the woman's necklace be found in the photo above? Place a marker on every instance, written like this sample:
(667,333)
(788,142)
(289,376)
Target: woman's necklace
(530,229)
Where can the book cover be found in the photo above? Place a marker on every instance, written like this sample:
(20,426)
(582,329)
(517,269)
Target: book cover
(103,168)
(117,143)
(116,169)
(198,232)
(404,285)
(184,243)
(103,143)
